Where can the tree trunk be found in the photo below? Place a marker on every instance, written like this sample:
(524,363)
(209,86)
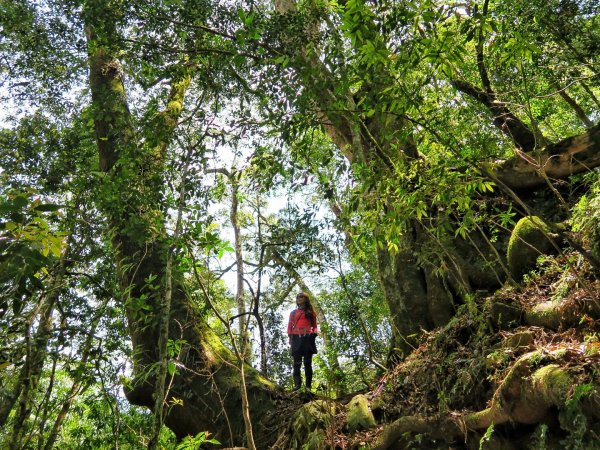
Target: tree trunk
(373,146)
(405,290)
(244,342)
(208,381)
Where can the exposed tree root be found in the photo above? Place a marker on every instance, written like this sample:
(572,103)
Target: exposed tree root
(536,384)
(434,428)
(556,315)
(526,394)
(551,314)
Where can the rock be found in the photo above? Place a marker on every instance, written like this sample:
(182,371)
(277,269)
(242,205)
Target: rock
(520,339)
(530,239)
(309,424)
(359,416)
(504,315)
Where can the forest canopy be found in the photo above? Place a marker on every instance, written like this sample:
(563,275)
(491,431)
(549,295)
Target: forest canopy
(173,173)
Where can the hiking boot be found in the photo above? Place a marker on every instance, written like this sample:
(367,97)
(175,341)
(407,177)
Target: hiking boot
(308,375)
(297,382)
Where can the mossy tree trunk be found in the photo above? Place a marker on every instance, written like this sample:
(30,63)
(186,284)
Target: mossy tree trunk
(376,146)
(207,383)
(381,149)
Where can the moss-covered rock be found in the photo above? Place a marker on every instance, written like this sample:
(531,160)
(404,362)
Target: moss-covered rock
(315,440)
(359,416)
(548,314)
(519,339)
(309,425)
(504,315)
(530,238)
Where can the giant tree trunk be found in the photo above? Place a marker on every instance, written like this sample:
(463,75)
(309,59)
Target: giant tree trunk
(376,142)
(207,383)
(405,291)
(372,147)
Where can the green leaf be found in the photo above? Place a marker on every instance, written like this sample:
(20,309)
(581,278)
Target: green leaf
(48,207)
(171,368)
(20,201)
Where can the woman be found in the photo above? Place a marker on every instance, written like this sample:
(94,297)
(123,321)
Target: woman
(302,331)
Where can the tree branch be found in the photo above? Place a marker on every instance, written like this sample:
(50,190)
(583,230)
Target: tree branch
(576,107)
(485,79)
(503,118)
(572,155)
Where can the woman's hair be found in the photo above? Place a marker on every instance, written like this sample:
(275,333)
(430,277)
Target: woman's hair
(310,310)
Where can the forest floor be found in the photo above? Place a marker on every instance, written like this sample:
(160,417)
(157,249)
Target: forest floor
(458,369)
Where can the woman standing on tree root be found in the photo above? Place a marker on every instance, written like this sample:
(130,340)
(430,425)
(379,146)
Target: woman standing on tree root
(302,331)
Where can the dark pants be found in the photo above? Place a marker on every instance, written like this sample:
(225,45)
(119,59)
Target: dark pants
(308,371)
(303,348)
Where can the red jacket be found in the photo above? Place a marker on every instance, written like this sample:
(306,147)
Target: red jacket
(299,323)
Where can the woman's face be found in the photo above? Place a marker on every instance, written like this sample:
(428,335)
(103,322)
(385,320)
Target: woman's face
(300,300)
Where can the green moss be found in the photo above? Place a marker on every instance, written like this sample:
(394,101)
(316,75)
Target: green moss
(116,86)
(480,416)
(214,349)
(497,358)
(522,339)
(359,416)
(315,440)
(529,240)
(547,314)
(533,359)
(553,383)
(320,411)
(309,424)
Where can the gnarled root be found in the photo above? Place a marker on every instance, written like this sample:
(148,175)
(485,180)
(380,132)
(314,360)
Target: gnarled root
(537,383)
(526,394)
(445,429)
(554,314)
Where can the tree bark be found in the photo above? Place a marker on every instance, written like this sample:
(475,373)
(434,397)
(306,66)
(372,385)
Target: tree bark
(575,106)
(556,161)
(373,147)
(405,290)
(208,383)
